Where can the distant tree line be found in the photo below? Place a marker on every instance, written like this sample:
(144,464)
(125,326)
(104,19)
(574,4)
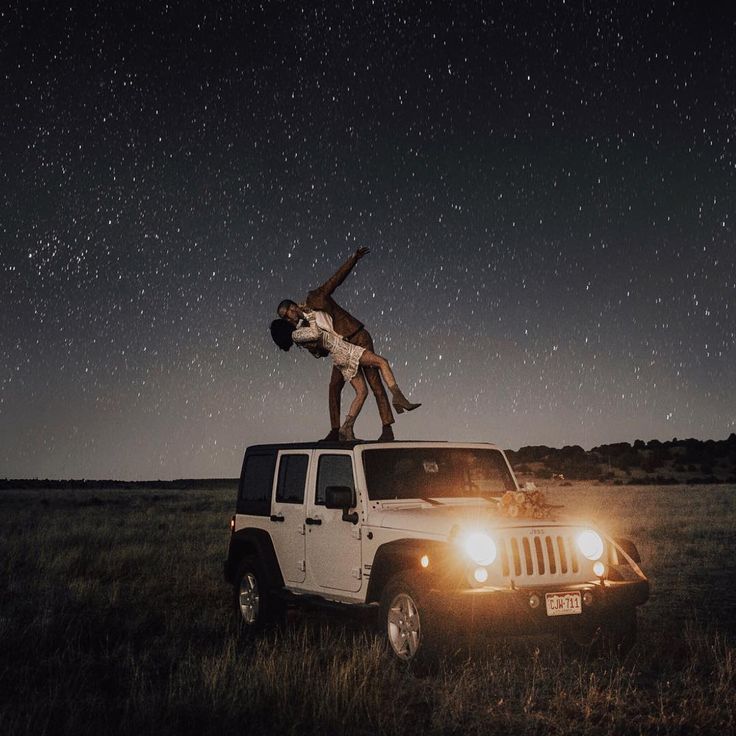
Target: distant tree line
(700,461)
(181,484)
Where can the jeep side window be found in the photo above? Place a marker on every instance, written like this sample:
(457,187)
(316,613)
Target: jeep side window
(333,470)
(254,497)
(292,478)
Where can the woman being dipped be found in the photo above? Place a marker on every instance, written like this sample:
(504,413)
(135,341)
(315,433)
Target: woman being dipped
(313,330)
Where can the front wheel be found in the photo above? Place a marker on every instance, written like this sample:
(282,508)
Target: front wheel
(408,623)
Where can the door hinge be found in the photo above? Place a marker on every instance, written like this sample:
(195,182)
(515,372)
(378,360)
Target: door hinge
(302,565)
(355,532)
(356,573)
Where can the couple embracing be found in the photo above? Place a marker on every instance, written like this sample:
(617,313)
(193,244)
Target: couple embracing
(324,328)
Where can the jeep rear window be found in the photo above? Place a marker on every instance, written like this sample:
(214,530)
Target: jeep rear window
(255,485)
(432,472)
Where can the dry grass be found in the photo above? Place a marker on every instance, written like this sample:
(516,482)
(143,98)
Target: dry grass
(114,618)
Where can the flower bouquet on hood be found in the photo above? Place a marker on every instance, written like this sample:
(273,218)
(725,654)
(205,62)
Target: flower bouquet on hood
(531,504)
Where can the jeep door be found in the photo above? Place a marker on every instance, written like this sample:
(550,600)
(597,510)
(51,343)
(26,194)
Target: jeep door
(287,513)
(333,545)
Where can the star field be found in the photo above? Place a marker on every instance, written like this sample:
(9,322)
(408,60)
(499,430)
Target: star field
(547,190)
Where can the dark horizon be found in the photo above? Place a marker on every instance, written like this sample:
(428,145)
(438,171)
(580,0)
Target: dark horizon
(516,457)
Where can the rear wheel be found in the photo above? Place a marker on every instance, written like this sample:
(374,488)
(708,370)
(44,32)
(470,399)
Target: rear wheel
(255,603)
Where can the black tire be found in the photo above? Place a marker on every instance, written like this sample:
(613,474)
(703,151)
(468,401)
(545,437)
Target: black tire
(256,605)
(409,624)
(616,636)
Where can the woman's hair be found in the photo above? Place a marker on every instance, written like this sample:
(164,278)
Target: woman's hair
(281,330)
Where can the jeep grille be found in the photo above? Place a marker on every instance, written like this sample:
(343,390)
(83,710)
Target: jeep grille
(548,554)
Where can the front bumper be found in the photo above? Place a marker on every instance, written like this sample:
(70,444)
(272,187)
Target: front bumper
(509,611)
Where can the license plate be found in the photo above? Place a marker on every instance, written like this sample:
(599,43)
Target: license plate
(563,604)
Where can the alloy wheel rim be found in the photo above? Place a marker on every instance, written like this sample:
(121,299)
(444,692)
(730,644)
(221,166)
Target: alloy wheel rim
(404,626)
(249,598)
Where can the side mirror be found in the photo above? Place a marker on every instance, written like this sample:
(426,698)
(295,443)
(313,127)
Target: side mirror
(341,497)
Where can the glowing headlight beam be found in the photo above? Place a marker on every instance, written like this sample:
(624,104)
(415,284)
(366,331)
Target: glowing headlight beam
(480,548)
(590,544)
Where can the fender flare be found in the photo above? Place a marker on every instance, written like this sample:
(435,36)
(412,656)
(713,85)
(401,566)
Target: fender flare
(404,555)
(629,548)
(257,543)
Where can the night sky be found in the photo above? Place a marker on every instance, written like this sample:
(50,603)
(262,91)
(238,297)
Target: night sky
(547,189)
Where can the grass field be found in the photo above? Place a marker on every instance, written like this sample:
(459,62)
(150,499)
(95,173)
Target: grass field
(115,619)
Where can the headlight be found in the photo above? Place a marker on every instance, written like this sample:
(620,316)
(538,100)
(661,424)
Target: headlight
(590,544)
(480,548)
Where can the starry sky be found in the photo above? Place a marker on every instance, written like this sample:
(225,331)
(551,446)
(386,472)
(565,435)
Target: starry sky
(547,190)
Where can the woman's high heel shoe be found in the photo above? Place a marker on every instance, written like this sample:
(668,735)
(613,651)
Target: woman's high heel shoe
(400,402)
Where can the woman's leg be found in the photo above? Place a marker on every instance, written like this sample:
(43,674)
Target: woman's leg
(400,402)
(361,393)
(372,360)
(358,383)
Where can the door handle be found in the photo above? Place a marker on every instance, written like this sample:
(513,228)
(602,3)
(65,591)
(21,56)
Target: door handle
(312,522)
(276,517)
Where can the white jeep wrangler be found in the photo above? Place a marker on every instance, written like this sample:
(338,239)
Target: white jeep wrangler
(436,536)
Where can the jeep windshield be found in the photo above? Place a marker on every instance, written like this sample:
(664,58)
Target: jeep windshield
(435,472)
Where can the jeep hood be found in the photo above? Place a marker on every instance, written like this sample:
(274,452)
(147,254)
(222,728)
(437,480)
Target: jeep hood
(440,520)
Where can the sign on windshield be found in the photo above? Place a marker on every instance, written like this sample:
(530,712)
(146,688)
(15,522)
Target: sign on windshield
(435,472)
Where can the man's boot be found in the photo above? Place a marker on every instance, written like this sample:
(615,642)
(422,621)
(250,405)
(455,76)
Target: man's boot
(333,436)
(387,434)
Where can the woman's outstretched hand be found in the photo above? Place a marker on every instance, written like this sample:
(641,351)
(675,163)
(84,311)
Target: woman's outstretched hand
(362,252)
